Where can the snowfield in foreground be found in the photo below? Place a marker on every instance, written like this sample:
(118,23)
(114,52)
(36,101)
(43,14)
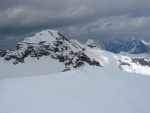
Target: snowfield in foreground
(86,90)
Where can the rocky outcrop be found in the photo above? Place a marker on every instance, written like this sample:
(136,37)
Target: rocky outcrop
(77,44)
(142,61)
(3,52)
(134,62)
(123,64)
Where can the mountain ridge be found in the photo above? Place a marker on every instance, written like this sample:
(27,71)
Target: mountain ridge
(133,46)
(50,43)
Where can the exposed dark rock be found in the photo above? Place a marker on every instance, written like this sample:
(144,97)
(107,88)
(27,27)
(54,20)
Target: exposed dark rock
(123,63)
(42,42)
(66,69)
(79,64)
(3,52)
(142,61)
(62,36)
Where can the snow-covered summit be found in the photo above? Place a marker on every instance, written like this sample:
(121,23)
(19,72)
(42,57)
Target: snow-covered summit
(54,45)
(45,35)
(77,44)
(93,44)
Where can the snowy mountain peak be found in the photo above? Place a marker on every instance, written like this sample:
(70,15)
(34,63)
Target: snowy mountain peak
(93,44)
(53,44)
(48,36)
(77,44)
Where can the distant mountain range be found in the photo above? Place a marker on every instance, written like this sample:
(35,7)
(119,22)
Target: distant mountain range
(133,46)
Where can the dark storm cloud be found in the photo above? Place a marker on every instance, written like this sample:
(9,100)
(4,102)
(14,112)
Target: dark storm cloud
(33,14)
(19,17)
(108,28)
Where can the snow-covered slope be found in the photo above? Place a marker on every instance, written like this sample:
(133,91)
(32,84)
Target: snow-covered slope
(86,90)
(126,62)
(31,67)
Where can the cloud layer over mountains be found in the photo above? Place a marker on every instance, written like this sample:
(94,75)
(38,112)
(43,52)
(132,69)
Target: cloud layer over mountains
(97,18)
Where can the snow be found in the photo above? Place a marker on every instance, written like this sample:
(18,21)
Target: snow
(77,44)
(46,65)
(146,43)
(31,67)
(86,90)
(92,43)
(45,35)
(48,37)
(134,67)
(108,59)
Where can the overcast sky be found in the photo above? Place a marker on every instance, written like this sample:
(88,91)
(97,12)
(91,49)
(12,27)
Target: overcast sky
(81,19)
